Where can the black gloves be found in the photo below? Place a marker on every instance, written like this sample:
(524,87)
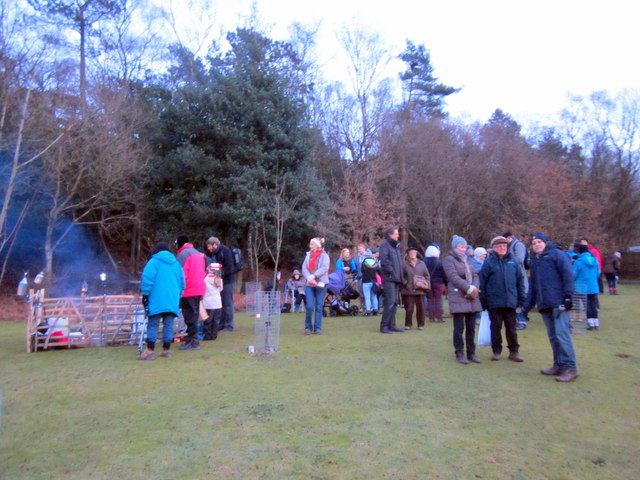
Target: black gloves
(567,302)
(145,302)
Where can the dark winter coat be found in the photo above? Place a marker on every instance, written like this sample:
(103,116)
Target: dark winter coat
(611,264)
(224,256)
(551,278)
(390,261)
(369,268)
(501,282)
(411,271)
(454,269)
(434,265)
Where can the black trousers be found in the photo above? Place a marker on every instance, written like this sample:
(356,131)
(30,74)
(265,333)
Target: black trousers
(506,316)
(212,324)
(593,304)
(390,304)
(227,320)
(190,307)
(464,322)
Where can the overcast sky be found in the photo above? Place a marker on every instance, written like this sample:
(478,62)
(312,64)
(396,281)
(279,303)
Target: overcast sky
(521,56)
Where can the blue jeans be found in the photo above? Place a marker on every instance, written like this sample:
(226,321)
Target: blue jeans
(557,323)
(314,301)
(370,298)
(167,327)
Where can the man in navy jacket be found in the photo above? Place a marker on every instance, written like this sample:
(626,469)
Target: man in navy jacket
(501,292)
(551,289)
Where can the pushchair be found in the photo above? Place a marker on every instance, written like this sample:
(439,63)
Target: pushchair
(340,292)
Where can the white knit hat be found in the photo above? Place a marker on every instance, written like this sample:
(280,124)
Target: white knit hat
(432,251)
(479,251)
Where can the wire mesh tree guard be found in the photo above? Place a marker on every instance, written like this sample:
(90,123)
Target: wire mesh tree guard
(250,289)
(267,322)
(578,314)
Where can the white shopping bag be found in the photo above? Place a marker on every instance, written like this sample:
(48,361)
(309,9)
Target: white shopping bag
(484,332)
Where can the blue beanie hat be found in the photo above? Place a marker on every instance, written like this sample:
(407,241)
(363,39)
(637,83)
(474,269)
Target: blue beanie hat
(541,236)
(457,240)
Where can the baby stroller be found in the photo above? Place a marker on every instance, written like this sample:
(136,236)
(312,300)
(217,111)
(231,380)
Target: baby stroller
(340,292)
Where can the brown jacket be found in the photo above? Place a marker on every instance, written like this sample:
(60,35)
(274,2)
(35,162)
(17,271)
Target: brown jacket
(408,272)
(457,285)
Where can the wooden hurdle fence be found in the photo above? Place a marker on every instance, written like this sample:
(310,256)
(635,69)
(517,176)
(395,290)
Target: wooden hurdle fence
(74,322)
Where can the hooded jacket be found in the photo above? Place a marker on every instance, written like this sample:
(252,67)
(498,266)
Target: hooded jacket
(192,262)
(586,273)
(551,278)
(163,282)
(501,282)
(297,285)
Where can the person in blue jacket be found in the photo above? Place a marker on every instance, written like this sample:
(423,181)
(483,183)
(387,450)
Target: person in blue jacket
(551,290)
(586,274)
(501,292)
(161,285)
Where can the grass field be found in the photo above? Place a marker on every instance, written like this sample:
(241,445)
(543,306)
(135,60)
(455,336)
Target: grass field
(349,404)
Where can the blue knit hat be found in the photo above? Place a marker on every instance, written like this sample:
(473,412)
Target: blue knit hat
(457,240)
(541,236)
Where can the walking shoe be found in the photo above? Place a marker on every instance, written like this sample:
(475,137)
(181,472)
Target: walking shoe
(307,331)
(385,330)
(406,327)
(165,353)
(521,326)
(461,358)
(375,312)
(567,376)
(472,357)
(395,329)
(190,345)
(317,332)
(550,371)
(515,357)
(495,357)
(420,328)
(146,355)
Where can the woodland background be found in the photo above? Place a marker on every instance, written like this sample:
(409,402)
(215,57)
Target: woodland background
(116,132)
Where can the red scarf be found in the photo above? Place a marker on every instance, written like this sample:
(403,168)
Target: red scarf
(314,258)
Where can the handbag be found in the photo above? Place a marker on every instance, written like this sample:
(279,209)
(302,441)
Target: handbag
(484,332)
(421,283)
(202,312)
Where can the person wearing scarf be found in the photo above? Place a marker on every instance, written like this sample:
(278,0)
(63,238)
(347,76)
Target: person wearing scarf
(315,269)
(464,303)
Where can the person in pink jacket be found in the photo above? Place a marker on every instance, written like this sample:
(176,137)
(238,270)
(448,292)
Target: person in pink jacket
(192,262)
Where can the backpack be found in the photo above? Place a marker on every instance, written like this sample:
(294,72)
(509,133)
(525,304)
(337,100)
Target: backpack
(527,260)
(237,259)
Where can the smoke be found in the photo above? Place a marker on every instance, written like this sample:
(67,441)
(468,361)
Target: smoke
(79,258)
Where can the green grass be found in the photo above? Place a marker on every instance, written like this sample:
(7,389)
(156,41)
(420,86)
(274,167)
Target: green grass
(349,404)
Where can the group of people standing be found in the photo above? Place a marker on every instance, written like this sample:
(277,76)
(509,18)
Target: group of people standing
(474,280)
(494,281)
(187,282)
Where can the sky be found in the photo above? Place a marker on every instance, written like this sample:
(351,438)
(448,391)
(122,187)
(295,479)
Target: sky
(520,56)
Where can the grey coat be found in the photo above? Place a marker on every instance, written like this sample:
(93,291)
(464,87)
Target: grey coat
(408,273)
(457,285)
(321,273)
